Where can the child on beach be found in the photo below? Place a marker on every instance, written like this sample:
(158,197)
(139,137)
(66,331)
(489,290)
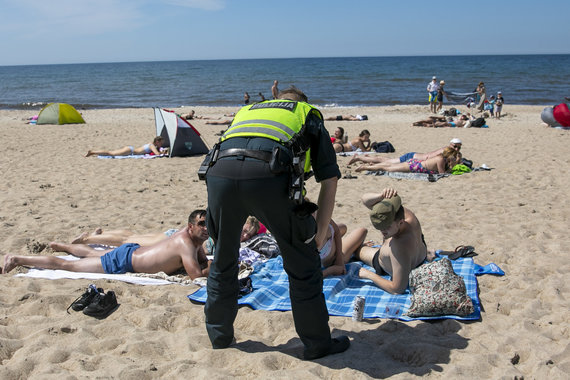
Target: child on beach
(499,104)
(490,105)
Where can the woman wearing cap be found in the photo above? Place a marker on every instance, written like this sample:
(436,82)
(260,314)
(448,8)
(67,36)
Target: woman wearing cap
(455,143)
(441,163)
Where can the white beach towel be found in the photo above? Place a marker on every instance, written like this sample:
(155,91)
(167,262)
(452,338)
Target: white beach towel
(133,278)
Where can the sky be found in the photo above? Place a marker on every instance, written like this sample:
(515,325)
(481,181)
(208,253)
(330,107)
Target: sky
(79,31)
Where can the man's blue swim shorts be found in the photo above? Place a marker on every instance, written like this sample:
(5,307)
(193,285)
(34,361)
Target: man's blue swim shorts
(406,157)
(120,259)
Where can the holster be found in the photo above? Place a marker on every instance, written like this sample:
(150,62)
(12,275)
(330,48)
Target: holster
(209,160)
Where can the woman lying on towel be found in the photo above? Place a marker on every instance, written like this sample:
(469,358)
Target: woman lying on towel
(455,143)
(362,142)
(462,121)
(151,148)
(441,163)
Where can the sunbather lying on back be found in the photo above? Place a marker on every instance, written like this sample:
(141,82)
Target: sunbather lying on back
(181,250)
(462,121)
(348,117)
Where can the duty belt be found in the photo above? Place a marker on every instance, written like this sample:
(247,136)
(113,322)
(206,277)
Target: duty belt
(258,154)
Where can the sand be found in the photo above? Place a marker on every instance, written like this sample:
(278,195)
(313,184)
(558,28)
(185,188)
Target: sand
(515,215)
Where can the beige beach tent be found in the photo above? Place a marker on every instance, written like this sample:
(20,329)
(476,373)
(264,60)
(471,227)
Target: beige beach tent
(59,113)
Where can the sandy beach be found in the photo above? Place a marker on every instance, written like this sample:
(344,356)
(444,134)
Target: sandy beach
(515,215)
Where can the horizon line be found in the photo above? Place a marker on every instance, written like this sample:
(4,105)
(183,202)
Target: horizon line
(285,58)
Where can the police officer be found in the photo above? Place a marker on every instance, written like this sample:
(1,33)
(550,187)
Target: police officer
(259,170)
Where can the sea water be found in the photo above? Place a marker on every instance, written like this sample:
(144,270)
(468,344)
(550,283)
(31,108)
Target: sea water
(360,81)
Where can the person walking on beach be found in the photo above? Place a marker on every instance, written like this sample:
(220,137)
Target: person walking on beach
(129,150)
(432,88)
(261,173)
(481,96)
(274,89)
(245,98)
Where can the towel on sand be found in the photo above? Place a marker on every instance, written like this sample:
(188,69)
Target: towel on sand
(415,176)
(271,292)
(134,278)
(144,156)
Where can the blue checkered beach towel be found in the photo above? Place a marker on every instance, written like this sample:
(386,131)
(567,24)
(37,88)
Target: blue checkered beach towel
(271,292)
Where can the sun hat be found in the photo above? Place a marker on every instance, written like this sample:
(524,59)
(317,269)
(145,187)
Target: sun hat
(499,93)
(434,77)
(455,141)
(383,213)
(441,82)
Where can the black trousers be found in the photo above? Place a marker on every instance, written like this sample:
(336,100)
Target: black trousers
(264,195)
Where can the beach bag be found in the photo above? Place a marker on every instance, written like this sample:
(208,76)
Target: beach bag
(450,112)
(467,163)
(383,147)
(478,123)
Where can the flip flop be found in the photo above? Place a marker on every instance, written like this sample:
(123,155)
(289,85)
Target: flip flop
(460,251)
(463,251)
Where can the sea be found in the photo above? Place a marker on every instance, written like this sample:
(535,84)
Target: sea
(328,82)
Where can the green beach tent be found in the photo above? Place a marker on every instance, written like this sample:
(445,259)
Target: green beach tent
(59,113)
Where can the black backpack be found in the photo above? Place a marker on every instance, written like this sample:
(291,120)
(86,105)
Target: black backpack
(478,123)
(383,147)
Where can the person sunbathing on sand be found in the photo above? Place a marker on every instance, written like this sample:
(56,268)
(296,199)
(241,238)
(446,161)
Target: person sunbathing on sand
(119,237)
(439,164)
(361,142)
(152,147)
(403,248)
(455,143)
(348,117)
(183,249)
(462,121)
(192,115)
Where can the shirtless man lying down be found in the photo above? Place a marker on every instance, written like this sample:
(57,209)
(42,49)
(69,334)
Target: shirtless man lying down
(182,249)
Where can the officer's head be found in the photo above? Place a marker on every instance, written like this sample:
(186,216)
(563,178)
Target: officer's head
(293,93)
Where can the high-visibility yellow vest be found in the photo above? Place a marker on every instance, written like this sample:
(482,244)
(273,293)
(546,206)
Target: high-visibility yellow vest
(278,120)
